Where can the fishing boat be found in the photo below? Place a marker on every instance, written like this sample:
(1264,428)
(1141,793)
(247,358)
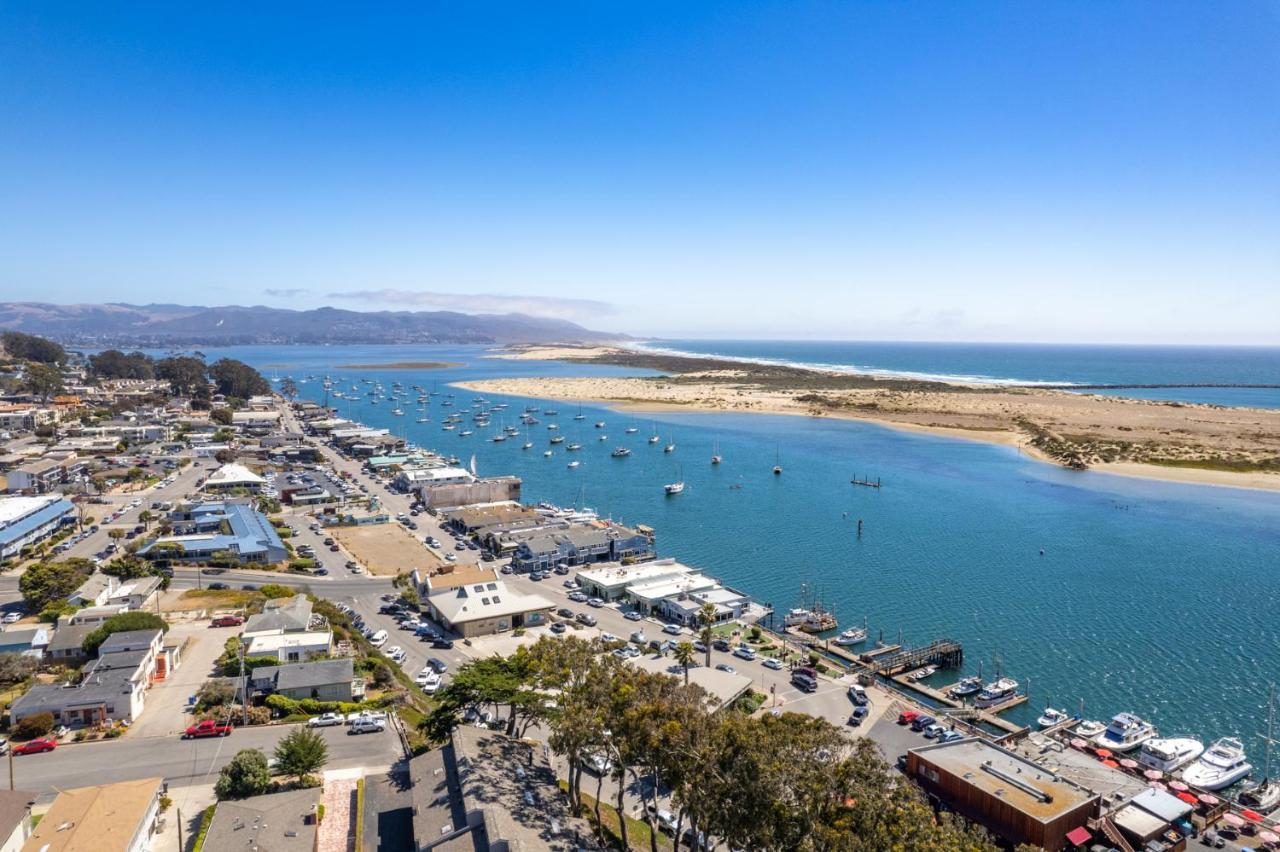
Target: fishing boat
(1222,764)
(1052,716)
(994,694)
(811,616)
(620,453)
(967,686)
(1125,733)
(1264,796)
(923,673)
(1169,754)
(852,636)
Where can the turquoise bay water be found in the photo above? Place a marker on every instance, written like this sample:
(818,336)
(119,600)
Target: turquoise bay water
(1151,597)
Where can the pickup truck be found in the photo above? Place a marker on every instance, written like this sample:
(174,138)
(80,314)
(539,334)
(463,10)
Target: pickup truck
(207,728)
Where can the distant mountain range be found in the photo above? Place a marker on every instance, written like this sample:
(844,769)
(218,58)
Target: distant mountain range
(116,324)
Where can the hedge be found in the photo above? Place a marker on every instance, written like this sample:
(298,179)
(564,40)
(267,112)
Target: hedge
(309,707)
(205,820)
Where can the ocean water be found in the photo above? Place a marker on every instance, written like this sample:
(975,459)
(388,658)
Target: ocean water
(1031,364)
(1152,597)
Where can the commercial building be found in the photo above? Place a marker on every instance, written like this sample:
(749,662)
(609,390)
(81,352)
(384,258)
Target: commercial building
(26,521)
(610,582)
(200,535)
(489,489)
(1016,799)
(582,543)
(485,607)
(120,817)
(232,477)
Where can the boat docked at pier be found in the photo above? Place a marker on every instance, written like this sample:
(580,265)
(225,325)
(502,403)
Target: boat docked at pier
(967,686)
(1088,729)
(1222,764)
(923,673)
(1125,733)
(994,694)
(1169,754)
(811,616)
(852,636)
(1052,716)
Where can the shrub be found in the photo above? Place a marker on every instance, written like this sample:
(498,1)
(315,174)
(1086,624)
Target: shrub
(120,624)
(35,725)
(276,590)
(246,775)
(215,693)
(114,733)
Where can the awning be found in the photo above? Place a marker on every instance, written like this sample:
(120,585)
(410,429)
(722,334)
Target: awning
(1079,836)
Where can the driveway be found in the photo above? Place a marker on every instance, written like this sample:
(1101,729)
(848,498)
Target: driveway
(165,712)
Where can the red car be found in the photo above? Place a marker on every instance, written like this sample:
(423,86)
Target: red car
(906,717)
(228,621)
(207,728)
(36,746)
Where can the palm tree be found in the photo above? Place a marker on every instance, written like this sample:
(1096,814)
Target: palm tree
(146,517)
(684,657)
(707,620)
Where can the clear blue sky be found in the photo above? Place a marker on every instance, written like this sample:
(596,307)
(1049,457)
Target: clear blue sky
(1069,171)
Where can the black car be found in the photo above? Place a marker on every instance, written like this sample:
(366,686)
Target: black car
(564,612)
(218,587)
(441,642)
(859,713)
(720,645)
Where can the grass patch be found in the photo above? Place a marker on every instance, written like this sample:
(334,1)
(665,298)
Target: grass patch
(217,598)
(638,833)
(359,814)
(205,819)
(1227,465)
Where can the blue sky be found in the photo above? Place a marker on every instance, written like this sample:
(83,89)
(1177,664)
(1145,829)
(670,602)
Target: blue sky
(1029,171)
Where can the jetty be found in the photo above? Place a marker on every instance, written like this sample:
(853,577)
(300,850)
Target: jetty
(865,482)
(944,653)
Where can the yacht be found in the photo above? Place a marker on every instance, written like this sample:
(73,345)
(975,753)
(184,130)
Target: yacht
(673,488)
(1222,765)
(1169,755)
(970,685)
(852,636)
(924,673)
(995,694)
(1125,733)
(1051,716)
(574,463)
(1089,729)
(621,453)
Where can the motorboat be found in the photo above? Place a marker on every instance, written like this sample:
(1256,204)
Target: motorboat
(1222,764)
(574,446)
(852,636)
(557,439)
(997,693)
(1052,716)
(620,453)
(599,424)
(1089,729)
(547,454)
(1262,798)
(967,686)
(465,432)
(924,673)
(1125,733)
(673,488)
(631,430)
(1169,754)
(574,463)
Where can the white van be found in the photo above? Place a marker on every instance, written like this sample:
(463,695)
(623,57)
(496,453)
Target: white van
(378,639)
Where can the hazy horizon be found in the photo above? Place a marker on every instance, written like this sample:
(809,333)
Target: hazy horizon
(920,171)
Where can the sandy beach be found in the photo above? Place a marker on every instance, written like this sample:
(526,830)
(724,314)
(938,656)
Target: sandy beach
(1202,444)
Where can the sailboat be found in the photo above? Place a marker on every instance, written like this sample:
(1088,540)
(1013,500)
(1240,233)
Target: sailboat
(675,487)
(777,462)
(670,447)
(579,415)
(653,439)
(715,453)
(1265,796)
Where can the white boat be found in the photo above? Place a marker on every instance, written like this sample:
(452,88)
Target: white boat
(1169,754)
(547,454)
(1052,716)
(557,439)
(924,673)
(498,439)
(397,412)
(715,458)
(621,453)
(1125,733)
(423,420)
(573,447)
(673,488)
(653,439)
(1263,797)
(670,447)
(631,430)
(852,636)
(574,463)
(599,424)
(528,445)
(1222,764)
(995,694)
(604,437)
(1088,729)
(970,685)
(465,432)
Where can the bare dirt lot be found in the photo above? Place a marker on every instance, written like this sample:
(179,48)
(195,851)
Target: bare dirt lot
(386,549)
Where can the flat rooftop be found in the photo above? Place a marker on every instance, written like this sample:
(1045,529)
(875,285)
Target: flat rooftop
(616,574)
(724,687)
(1032,789)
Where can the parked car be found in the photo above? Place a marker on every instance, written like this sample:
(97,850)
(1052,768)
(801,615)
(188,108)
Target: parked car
(772,663)
(378,639)
(855,718)
(558,627)
(36,746)
(725,667)
(595,602)
(720,644)
(922,722)
(12,617)
(228,621)
(744,653)
(932,732)
(438,665)
(325,720)
(906,717)
(207,728)
(672,629)
(441,642)
(632,615)
(858,695)
(365,725)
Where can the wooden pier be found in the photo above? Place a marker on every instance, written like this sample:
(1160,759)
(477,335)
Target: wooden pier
(959,710)
(944,653)
(865,483)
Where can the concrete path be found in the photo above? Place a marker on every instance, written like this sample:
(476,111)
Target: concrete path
(337,832)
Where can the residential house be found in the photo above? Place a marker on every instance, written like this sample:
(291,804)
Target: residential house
(282,615)
(15,819)
(291,647)
(120,817)
(276,822)
(323,680)
(66,645)
(94,591)
(30,641)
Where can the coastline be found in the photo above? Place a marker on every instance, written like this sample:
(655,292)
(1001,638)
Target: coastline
(1001,416)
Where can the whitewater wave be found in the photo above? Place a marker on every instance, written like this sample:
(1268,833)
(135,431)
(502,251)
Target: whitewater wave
(848,369)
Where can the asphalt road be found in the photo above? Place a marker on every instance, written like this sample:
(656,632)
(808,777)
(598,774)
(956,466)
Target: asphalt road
(182,761)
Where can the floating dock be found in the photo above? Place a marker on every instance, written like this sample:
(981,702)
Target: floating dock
(989,715)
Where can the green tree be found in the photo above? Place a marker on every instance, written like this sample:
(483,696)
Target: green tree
(289,388)
(277,590)
(146,517)
(122,623)
(706,621)
(114,364)
(43,380)
(238,379)
(185,375)
(51,582)
(246,775)
(221,415)
(301,753)
(15,668)
(216,693)
(29,347)
(684,654)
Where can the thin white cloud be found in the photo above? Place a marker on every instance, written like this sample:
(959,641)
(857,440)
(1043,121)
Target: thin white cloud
(484,303)
(286,292)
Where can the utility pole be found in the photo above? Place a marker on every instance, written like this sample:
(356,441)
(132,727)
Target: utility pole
(244,687)
(179,813)
(11,767)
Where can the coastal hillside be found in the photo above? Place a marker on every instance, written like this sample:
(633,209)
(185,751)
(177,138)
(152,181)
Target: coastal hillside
(173,325)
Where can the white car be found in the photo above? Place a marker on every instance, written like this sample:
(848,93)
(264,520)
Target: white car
(367,725)
(672,629)
(12,617)
(772,663)
(325,720)
(744,653)
(378,639)
(393,650)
